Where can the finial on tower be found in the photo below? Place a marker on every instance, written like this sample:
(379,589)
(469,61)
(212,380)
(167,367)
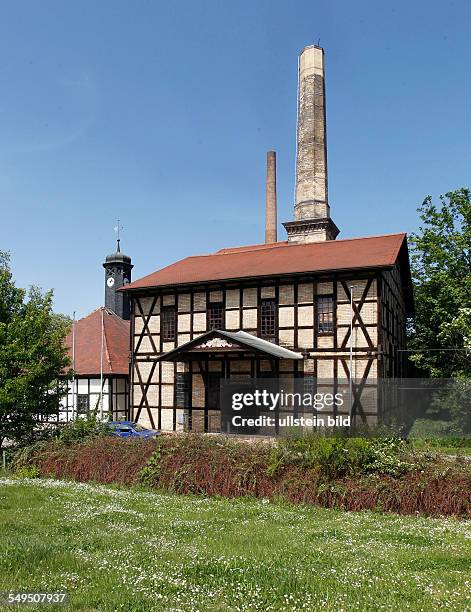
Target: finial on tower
(118,229)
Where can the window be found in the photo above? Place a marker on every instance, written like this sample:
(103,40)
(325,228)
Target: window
(215,316)
(309,383)
(168,324)
(183,389)
(83,403)
(268,312)
(325,315)
(214,386)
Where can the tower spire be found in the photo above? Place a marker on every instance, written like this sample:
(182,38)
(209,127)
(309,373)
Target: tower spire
(117,274)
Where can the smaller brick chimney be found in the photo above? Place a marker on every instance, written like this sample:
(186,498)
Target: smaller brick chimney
(270,208)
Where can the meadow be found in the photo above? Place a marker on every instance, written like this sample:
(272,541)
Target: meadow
(116,548)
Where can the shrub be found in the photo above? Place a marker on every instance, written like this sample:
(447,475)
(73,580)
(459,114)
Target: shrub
(336,457)
(390,456)
(24,457)
(27,471)
(100,459)
(216,465)
(149,474)
(82,429)
(71,433)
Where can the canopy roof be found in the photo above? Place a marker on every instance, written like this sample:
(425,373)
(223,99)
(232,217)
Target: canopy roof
(219,341)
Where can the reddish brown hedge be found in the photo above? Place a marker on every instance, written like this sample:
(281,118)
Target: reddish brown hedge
(217,466)
(106,460)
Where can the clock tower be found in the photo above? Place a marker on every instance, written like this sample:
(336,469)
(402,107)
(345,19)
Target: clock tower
(117,274)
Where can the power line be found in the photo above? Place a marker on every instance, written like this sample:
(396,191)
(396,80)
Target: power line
(429,350)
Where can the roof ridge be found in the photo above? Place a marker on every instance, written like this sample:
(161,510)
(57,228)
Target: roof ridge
(89,314)
(368,237)
(287,245)
(257,246)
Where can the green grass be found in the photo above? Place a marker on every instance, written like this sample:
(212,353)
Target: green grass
(453,451)
(122,549)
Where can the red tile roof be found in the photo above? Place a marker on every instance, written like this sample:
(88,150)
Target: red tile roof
(278,258)
(88,344)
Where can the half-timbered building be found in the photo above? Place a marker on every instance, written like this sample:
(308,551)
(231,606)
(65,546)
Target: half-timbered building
(273,310)
(309,307)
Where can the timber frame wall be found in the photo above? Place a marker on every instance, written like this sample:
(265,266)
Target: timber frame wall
(115,396)
(379,324)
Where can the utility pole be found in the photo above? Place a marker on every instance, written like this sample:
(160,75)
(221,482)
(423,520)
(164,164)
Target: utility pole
(73,370)
(101,362)
(351,349)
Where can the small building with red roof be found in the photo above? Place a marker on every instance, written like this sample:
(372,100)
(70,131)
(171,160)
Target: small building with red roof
(98,347)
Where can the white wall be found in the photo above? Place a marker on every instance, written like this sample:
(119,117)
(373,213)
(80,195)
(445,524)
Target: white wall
(89,387)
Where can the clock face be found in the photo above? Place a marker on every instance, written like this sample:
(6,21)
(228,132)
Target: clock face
(110,281)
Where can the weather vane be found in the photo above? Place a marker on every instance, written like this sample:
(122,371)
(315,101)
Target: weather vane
(118,228)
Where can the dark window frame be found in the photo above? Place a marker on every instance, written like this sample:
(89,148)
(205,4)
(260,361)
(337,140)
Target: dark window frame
(169,333)
(325,316)
(211,320)
(213,382)
(83,408)
(268,319)
(183,389)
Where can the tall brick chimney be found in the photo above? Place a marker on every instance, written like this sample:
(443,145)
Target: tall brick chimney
(311,210)
(270,207)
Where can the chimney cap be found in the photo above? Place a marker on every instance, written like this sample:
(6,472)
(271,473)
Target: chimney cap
(311,47)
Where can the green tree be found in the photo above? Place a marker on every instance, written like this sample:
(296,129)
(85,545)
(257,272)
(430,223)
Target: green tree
(32,357)
(441,271)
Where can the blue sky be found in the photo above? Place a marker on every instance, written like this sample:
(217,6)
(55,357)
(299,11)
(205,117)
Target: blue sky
(161,113)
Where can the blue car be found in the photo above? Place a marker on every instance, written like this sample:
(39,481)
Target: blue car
(128,429)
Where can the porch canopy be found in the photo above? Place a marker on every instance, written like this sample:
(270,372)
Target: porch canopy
(224,342)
